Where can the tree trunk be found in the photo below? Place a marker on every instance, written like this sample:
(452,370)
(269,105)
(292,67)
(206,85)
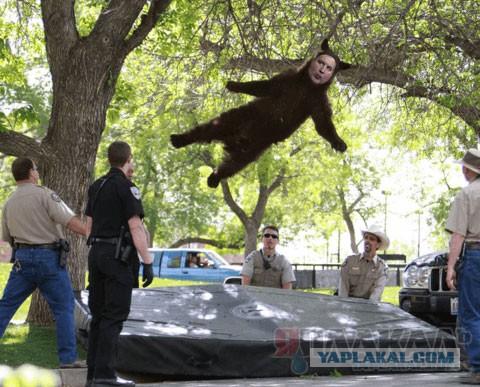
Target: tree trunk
(251,233)
(251,223)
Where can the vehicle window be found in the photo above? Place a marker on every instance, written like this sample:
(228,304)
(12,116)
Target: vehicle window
(203,261)
(174,258)
(210,264)
(192,260)
(218,258)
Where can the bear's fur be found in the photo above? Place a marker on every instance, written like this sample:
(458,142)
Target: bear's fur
(283,103)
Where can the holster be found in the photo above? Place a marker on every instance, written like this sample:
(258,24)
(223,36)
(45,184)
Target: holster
(63,250)
(123,246)
(14,250)
(460,261)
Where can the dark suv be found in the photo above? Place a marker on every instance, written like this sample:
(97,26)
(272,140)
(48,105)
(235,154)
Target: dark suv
(425,293)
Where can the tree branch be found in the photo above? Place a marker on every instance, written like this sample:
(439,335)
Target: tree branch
(149,20)
(60,30)
(211,242)
(19,145)
(236,209)
(118,17)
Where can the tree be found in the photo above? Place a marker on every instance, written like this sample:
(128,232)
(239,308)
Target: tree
(85,62)
(428,51)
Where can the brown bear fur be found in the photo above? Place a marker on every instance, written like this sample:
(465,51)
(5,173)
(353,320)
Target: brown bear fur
(283,103)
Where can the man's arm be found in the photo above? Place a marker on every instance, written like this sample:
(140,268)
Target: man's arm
(89,226)
(456,242)
(247,269)
(245,280)
(378,286)
(77,226)
(6,237)
(344,283)
(139,238)
(288,276)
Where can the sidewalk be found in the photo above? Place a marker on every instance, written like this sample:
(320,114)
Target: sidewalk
(77,378)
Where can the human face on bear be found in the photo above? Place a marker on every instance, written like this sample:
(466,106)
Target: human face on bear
(321,69)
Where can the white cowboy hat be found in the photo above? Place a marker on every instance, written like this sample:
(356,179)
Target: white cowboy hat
(375,230)
(471,160)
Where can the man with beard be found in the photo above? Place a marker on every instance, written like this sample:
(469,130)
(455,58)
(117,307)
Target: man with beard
(365,275)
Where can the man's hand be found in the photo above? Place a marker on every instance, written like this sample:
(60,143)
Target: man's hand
(451,277)
(147,274)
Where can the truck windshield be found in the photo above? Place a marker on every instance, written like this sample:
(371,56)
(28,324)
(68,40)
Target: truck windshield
(218,258)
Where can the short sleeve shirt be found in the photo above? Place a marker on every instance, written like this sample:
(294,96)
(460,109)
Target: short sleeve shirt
(112,205)
(363,278)
(464,213)
(277,261)
(35,215)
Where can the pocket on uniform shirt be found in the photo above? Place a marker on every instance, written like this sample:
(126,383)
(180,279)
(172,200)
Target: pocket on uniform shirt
(373,274)
(354,276)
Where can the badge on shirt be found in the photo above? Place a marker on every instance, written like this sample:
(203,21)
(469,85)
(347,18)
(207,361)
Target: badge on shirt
(136,193)
(55,197)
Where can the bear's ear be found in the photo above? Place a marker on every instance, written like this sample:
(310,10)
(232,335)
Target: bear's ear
(343,66)
(324,45)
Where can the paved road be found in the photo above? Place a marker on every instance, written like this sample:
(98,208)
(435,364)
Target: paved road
(76,378)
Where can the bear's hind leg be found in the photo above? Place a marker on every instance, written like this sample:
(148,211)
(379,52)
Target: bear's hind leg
(204,133)
(231,165)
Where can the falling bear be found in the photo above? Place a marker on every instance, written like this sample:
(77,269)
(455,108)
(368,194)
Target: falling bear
(282,104)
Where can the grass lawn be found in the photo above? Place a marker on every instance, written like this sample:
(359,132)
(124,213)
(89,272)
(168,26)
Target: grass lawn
(24,343)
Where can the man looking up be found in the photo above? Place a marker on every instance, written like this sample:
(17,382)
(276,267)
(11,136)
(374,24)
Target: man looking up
(33,219)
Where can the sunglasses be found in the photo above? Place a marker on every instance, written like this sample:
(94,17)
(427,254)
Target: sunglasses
(273,236)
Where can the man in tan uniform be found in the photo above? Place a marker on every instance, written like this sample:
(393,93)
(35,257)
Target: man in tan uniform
(365,275)
(265,267)
(463,224)
(32,222)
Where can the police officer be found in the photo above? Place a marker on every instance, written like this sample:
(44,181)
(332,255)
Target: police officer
(464,228)
(114,224)
(365,275)
(265,267)
(32,221)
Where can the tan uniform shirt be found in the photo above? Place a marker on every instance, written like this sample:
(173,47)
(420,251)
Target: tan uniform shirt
(279,274)
(464,213)
(363,278)
(35,215)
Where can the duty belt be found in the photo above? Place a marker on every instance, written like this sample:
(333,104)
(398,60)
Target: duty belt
(473,245)
(46,246)
(112,241)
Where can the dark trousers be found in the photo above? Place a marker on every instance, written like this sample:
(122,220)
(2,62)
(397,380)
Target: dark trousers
(110,296)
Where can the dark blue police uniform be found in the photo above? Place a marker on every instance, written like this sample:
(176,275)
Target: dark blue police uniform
(112,201)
